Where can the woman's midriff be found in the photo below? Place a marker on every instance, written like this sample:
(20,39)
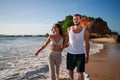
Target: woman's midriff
(56,48)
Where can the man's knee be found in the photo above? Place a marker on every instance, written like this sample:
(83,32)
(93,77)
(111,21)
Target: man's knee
(80,76)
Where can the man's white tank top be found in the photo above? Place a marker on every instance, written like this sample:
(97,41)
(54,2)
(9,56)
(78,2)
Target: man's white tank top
(76,42)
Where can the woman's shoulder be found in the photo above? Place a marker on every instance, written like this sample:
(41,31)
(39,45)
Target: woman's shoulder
(51,35)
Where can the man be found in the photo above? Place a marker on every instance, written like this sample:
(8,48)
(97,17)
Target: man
(78,49)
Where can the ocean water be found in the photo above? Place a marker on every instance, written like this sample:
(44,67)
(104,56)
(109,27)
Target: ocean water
(17,60)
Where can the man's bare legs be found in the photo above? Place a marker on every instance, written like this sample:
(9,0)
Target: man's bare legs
(71,74)
(80,76)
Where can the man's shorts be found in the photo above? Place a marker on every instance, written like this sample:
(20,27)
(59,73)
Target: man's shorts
(76,60)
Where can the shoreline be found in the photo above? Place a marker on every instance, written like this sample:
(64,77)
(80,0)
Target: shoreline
(103,40)
(105,65)
(37,68)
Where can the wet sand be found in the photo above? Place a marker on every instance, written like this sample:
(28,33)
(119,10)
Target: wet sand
(106,64)
(103,40)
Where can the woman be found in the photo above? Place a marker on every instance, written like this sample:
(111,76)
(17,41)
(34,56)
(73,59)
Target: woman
(56,48)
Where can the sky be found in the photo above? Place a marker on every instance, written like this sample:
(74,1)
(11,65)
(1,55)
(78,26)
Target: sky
(33,17)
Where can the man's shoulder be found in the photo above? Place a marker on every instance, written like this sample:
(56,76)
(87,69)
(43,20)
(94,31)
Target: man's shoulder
(68,29)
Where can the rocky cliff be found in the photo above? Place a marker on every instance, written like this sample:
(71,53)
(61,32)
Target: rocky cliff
(100,27)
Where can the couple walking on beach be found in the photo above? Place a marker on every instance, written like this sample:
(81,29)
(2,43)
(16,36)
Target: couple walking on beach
(76,40)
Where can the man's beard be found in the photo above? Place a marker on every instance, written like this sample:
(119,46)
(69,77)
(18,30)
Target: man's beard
(77,24)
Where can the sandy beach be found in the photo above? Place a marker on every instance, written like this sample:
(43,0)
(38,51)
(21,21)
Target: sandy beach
(103,40)
(106,64)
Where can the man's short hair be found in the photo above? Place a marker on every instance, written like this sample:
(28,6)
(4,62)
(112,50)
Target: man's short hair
(78,15)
